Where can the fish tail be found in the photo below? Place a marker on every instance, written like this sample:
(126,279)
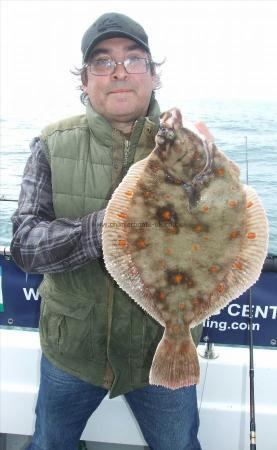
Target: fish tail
(175,364)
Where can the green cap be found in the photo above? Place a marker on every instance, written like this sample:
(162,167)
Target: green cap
(111,25)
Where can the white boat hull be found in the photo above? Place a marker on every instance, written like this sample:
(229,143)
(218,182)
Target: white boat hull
(223,395)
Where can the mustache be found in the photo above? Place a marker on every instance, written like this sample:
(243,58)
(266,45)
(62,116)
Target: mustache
(119,85)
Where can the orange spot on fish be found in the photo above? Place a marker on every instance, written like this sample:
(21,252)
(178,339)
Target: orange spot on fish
(166,215)
(161,296)
(251,235)
(232,203)
(140,243)
(249,204)
(195,247)
(214,269)
(178,278)
(206,238)
(235,234)
(198,228)
(220,288)
(122,215)
(168,251)
(205,209)
(196,301)
(237,265)
(220,171)
(129,194)
(181,306)
(122,243)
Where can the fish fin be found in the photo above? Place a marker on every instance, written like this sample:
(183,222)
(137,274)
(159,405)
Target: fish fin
(247,266)
(175,364)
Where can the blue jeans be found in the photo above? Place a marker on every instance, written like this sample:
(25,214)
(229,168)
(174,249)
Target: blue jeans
(168,418)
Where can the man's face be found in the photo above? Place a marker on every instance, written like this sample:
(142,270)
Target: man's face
(120,97)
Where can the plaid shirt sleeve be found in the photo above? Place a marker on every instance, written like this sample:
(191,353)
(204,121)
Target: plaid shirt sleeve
(41,243)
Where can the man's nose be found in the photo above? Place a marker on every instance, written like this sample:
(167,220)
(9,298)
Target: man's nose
(120,72)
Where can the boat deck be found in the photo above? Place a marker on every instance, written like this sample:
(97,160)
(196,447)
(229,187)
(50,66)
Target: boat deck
(223,395)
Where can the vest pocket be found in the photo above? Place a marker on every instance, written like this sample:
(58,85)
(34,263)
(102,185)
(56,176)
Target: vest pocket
(69,334)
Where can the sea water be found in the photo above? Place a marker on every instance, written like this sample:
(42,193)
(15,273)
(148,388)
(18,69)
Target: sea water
(234,124)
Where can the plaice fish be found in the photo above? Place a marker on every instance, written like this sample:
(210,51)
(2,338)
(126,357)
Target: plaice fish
(183,237)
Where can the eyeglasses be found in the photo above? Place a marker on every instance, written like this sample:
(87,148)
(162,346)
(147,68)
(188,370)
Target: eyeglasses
(107,66)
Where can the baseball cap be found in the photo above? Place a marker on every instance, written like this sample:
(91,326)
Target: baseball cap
(111,25)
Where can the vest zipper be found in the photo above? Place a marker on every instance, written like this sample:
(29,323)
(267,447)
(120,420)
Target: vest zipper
(126,154)
(127,150)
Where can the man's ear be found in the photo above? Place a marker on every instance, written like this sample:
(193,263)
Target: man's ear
(84,79)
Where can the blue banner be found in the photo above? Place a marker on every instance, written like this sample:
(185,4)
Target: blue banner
(20,304)
(231,324)
(20,298)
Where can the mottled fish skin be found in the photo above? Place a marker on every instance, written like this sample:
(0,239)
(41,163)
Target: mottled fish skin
(178,236)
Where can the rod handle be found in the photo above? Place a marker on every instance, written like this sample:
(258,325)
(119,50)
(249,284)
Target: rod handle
(252,439)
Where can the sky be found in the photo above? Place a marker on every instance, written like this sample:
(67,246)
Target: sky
(213,49)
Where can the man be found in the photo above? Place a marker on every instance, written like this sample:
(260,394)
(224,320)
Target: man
(94,338)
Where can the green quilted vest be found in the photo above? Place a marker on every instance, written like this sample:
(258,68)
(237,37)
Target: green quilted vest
(88,326)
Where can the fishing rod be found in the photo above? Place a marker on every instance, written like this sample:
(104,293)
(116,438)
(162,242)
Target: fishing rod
(251,349)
